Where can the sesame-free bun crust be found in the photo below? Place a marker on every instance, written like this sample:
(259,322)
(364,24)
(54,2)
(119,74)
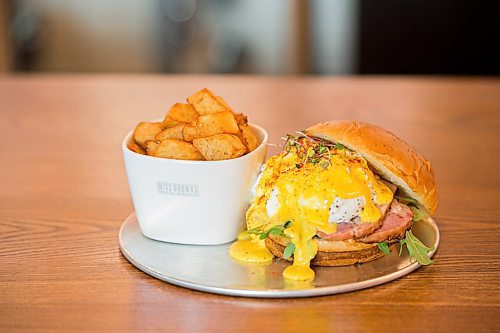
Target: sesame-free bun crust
(330,253)
(389,156)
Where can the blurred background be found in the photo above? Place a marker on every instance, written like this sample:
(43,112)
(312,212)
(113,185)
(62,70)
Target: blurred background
(319,37)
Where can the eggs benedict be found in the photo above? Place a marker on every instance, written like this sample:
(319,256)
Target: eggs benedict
(340,193)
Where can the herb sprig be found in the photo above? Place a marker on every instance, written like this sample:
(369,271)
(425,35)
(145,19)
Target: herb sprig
(277,230)
(289,250)
(384,247)
(416,248)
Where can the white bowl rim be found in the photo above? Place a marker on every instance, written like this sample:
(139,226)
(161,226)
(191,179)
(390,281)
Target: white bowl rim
(137,155)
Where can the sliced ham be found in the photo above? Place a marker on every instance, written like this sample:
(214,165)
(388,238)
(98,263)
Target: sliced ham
(394,225)
(344,231)
(354,229)
(357,229)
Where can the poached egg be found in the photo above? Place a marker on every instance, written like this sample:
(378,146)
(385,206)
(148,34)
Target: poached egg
(309,187)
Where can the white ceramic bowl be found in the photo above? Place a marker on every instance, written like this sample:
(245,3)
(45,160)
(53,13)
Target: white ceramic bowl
(192,202)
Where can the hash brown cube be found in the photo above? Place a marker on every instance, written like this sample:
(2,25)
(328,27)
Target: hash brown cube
(174,132)
(145,131)
(177,149)
(219,147)
(206,102)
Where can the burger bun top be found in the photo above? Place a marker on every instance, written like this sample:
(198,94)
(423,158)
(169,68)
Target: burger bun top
(389,156)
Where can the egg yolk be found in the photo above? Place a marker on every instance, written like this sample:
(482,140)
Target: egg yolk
(305,194)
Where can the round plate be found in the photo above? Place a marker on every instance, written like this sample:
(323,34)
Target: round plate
(209,268)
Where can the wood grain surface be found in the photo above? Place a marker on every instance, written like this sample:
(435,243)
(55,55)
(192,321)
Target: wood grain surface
(64,195)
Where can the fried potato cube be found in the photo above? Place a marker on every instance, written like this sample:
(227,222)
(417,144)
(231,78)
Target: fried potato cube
(132,145)
(206,102)
(146,131)
(174,132)
(211,124)
(151,147)
(189,133)
(219,147)
(177,149)
(217,123)
(223,102)
(241,118)
(242,139)
(181,113)
(251,141)
(168,122)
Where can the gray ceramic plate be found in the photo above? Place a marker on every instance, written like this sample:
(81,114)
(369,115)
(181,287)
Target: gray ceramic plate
(211,269)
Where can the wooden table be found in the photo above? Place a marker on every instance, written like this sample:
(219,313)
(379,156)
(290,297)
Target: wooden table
(64,195)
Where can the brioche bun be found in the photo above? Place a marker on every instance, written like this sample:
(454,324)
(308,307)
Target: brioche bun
(330,253)
(389,156)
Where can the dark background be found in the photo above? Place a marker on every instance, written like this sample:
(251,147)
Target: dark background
(311,37)
(429,37)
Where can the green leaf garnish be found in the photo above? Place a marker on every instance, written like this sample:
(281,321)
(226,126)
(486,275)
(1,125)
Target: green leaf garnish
(339,146)
(289,250)
(419,212)
(416,248)
(406,200)
(277,230)
(255,231)
(384,247)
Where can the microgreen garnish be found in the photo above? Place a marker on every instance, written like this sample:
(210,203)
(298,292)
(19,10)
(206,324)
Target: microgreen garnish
(311,149)
(324,164)
(289,250)
(384,247)
(416,248)
(322,149)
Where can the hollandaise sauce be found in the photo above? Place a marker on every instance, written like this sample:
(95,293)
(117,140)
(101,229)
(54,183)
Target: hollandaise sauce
(307,195)
(301,235)
(248,249)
